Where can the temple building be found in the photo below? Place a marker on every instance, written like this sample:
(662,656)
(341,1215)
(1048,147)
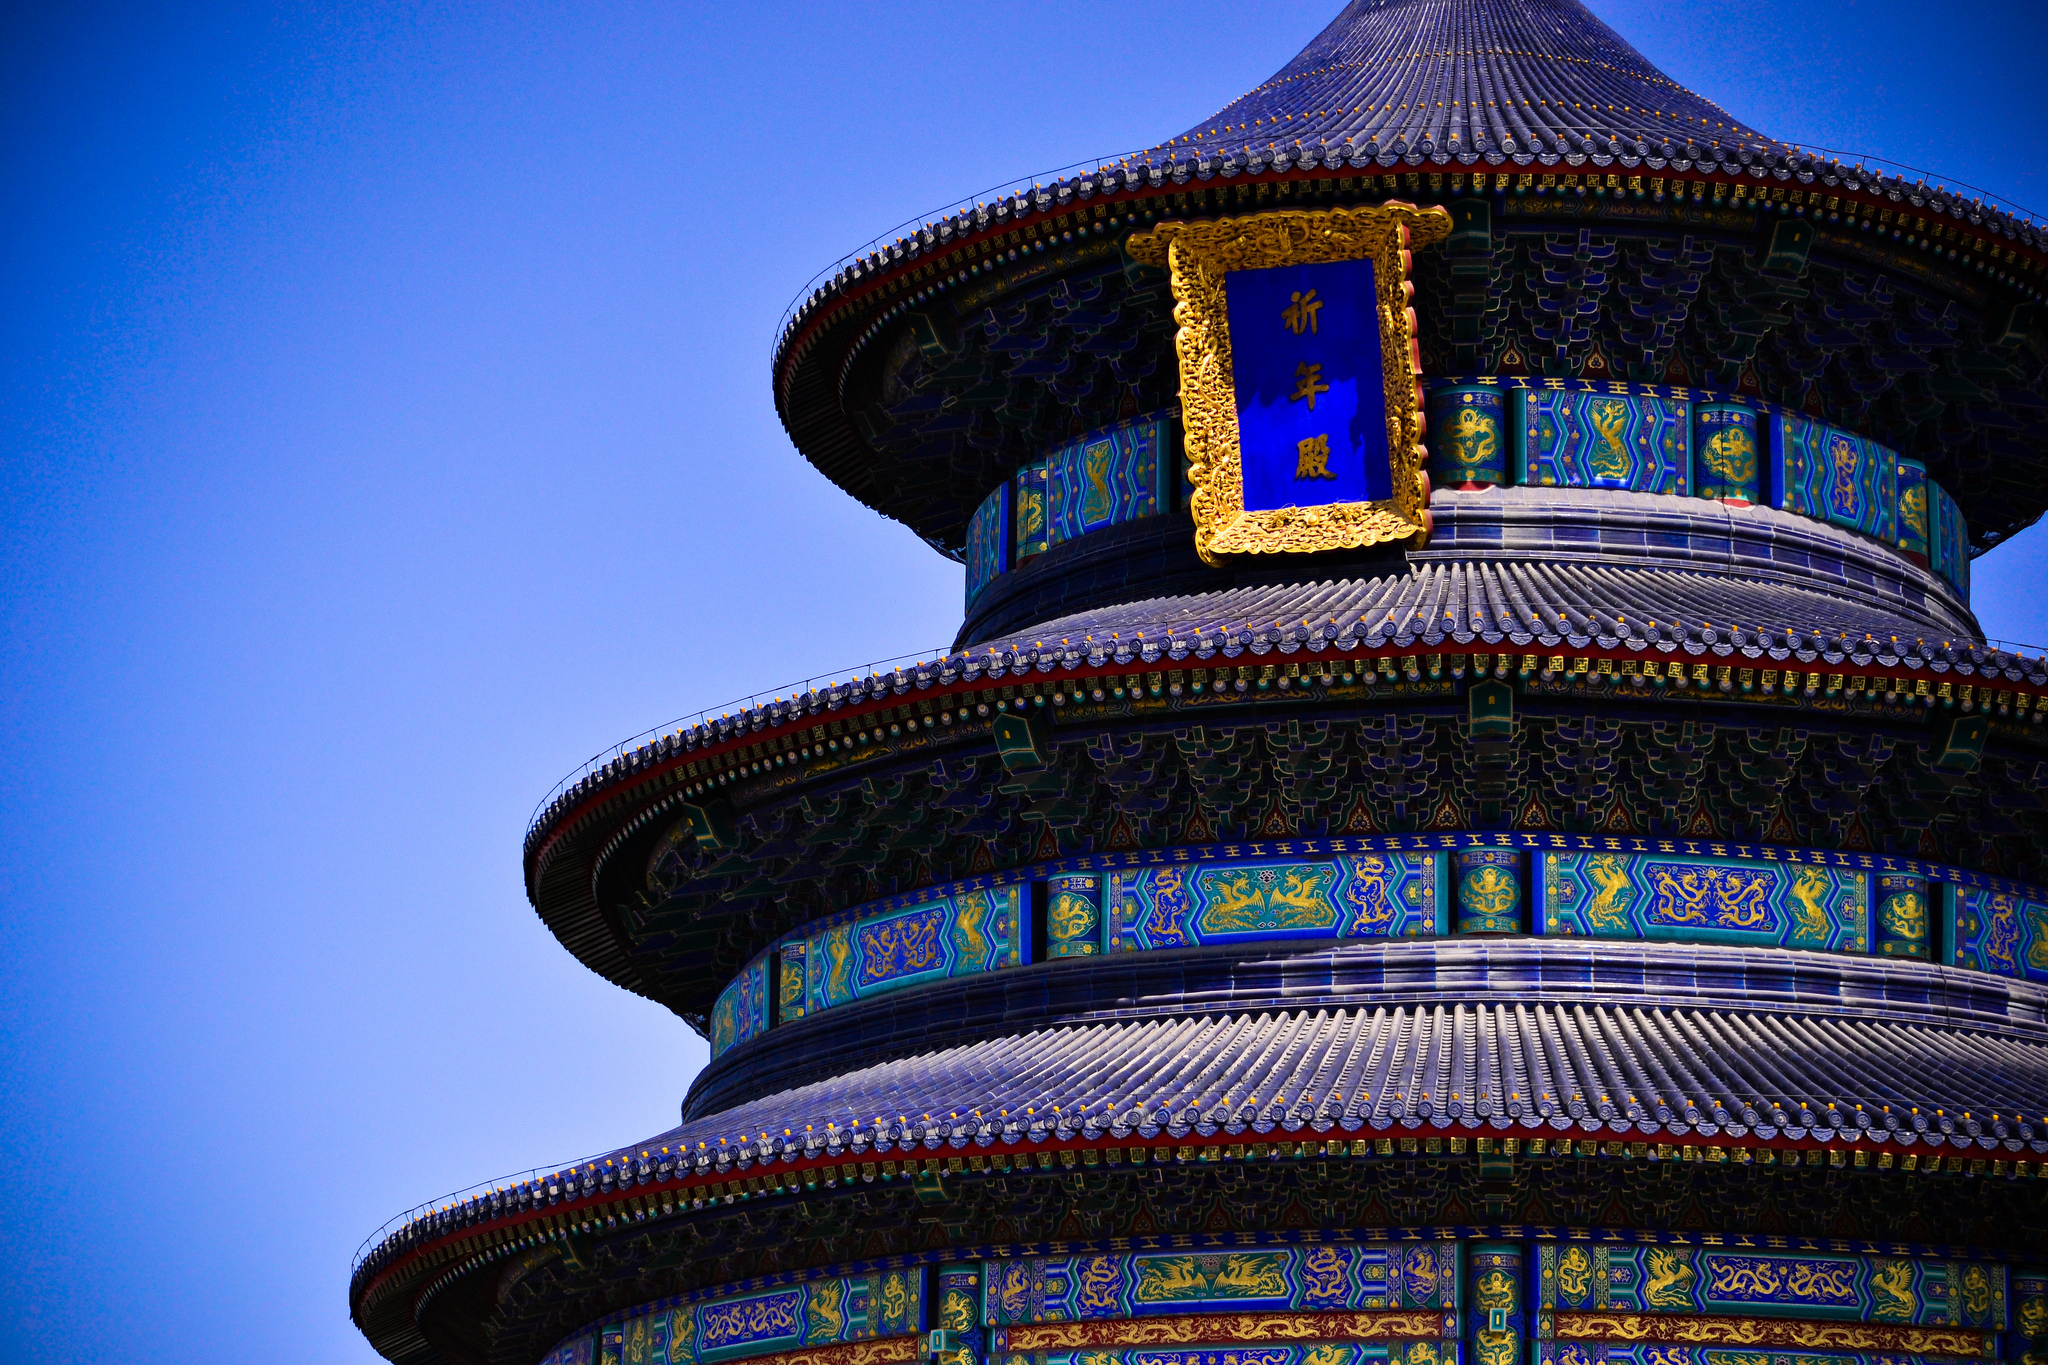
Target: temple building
(1469,820)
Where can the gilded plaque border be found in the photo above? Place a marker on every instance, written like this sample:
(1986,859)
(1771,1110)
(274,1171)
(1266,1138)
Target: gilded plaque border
(1197,257)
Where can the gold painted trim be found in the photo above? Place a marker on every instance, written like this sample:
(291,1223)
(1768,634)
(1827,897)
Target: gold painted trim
(1197,257)
(1769,1333)
(873,1351)
(1221,1329)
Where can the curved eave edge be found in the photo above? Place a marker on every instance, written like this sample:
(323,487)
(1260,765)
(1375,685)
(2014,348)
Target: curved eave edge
(938,247)
(651,770)
(482,1240)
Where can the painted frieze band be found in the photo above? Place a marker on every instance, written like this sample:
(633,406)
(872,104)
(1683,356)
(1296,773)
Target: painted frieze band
(1704,900)
(1949,539)
(1101,479)
(742,1009)
(1762,1283)
(864,1319)
(1360,1351)
(1329,1300)
(931,940)
(1915,529)
(1312,1279)
(2001,932)
(1832,475)
(1725,452)
(1395,887)
(1655,438)
(1108,477)
(1374,895)
(989,551)
(1640,442)
(1220,1329)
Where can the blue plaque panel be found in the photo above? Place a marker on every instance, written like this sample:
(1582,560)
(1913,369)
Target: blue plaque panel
(1311,387)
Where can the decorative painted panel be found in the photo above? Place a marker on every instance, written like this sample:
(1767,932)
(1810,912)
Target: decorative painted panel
(1665,1353)
(1382,895)
(825,1312)
(1726,900)
(1724,452)
(1586,439)
(790,994)
(988,541)
(946,937)
(1834,475)
(956,1307)
(644,1340)
(1468,435)
(1758,1283)
(1914,526)
(1489,890)
(961,935)
(1902,916)
(1950,539)
(1028,519)
(1400,886)
(742,1008)
(1073,915)
(1498,1320)
(575,1352)
(1141,1284)
(2030,1311)
(1320,1353)
(2000,932)
(1107,477)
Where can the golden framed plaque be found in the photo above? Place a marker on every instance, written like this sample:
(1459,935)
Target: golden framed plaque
(1300,377)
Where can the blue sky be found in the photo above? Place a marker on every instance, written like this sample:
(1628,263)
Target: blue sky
(386,427)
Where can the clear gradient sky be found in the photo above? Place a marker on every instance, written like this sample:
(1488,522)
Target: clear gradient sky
(386,424)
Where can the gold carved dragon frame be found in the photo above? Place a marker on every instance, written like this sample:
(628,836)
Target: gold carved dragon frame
(1197,257)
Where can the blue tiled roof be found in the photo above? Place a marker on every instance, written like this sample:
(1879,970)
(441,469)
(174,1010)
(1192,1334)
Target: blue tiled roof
(1514,561)
(1249,981)
(1509,89)
(1427,76)
(1655,1042)
(1326,109)
(1807,599)
(1591,1068)
(1481,603)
